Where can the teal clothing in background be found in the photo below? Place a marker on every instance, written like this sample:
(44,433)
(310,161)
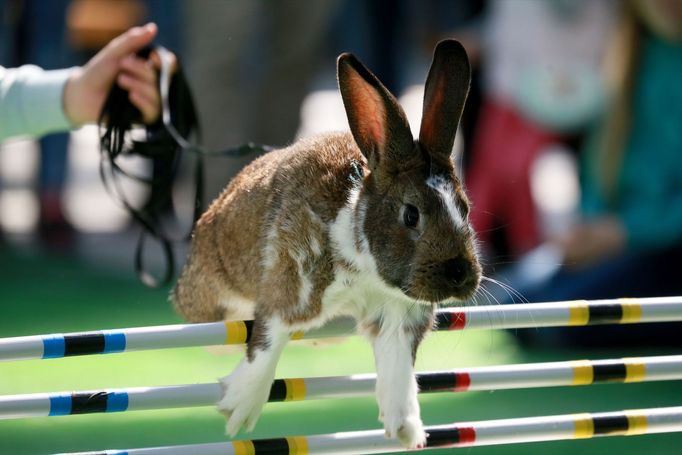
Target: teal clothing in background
(648,196)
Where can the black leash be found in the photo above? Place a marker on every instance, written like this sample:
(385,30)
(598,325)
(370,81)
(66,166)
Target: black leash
(164,143)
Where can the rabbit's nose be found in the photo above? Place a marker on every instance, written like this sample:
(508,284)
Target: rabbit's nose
(457,270)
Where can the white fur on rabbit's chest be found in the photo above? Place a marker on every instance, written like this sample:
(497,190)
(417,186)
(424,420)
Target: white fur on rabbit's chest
(365,297)
(360,291)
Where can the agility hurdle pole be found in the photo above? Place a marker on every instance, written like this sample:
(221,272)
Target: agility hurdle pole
(549,314)
(481,433)
(550,374)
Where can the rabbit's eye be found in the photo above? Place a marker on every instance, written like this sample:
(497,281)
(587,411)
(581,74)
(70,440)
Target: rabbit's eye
(410,216)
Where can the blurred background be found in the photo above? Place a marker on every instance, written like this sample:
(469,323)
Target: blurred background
(570,148)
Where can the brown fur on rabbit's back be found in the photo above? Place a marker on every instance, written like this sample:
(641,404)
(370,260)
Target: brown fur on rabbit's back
(301,188)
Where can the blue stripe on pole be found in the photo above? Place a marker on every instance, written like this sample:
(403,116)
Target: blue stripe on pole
(106,452)
(117,401)
(53,346)
(114,342)
(60,404)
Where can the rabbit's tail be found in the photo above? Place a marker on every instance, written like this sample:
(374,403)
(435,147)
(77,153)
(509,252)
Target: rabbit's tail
(195,296)
(201,296)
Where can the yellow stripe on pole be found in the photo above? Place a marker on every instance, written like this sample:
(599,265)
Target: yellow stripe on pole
(295,389)
(297,335)
(298,445)
(637,423)
(579,312)
(235,332)
(635,370)
(632,311)
(243,448)
(583,373)
(584,426)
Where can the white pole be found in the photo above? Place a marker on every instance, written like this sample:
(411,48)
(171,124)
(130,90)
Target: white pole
(570,313)
(469,434)
(550,374)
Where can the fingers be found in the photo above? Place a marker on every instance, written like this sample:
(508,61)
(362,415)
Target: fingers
(156,60)
(101,70)
(117,63)
(139,69)
(138,87)
(139,79)
(150,109)
(137,76)
(130,42)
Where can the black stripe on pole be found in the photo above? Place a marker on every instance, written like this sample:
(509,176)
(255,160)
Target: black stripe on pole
(436,382)
(249,329)
(83,344)
(87,403)
(610,424)
(443,320)
(439,437)
(609,371)
(610,313)
(271,446)
(278,391)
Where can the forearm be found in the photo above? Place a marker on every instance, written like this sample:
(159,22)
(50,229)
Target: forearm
(31,101)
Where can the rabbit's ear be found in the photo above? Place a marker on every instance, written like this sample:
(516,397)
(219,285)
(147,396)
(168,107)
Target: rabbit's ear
(445,92)
(376,120)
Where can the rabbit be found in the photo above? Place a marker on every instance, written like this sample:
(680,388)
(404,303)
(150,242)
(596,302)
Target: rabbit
(371,224)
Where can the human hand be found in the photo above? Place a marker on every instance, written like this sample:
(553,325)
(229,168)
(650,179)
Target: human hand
(88,87)
(592,241)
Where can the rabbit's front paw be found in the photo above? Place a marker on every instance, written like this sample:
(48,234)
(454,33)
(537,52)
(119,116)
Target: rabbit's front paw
(242,402)
(409,431)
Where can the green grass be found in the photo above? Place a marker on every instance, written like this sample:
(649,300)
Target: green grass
(43,295)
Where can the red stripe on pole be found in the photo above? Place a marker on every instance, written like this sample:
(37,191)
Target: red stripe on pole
(458,320)
(462,382)
(467,435)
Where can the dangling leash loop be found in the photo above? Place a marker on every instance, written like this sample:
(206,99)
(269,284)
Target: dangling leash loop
(164,143)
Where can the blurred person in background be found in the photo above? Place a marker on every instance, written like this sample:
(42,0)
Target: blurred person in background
(628,242)
(251,63)
(401,36)
(34,31)
(540,64)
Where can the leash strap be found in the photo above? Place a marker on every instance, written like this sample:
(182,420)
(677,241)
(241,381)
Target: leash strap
(164,143)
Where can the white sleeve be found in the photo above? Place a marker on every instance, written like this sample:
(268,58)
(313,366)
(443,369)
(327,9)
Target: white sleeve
(31,101)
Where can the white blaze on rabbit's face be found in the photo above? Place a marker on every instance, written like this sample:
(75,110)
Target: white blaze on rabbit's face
(447,195)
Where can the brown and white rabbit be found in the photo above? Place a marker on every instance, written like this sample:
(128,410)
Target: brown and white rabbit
(372,225)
